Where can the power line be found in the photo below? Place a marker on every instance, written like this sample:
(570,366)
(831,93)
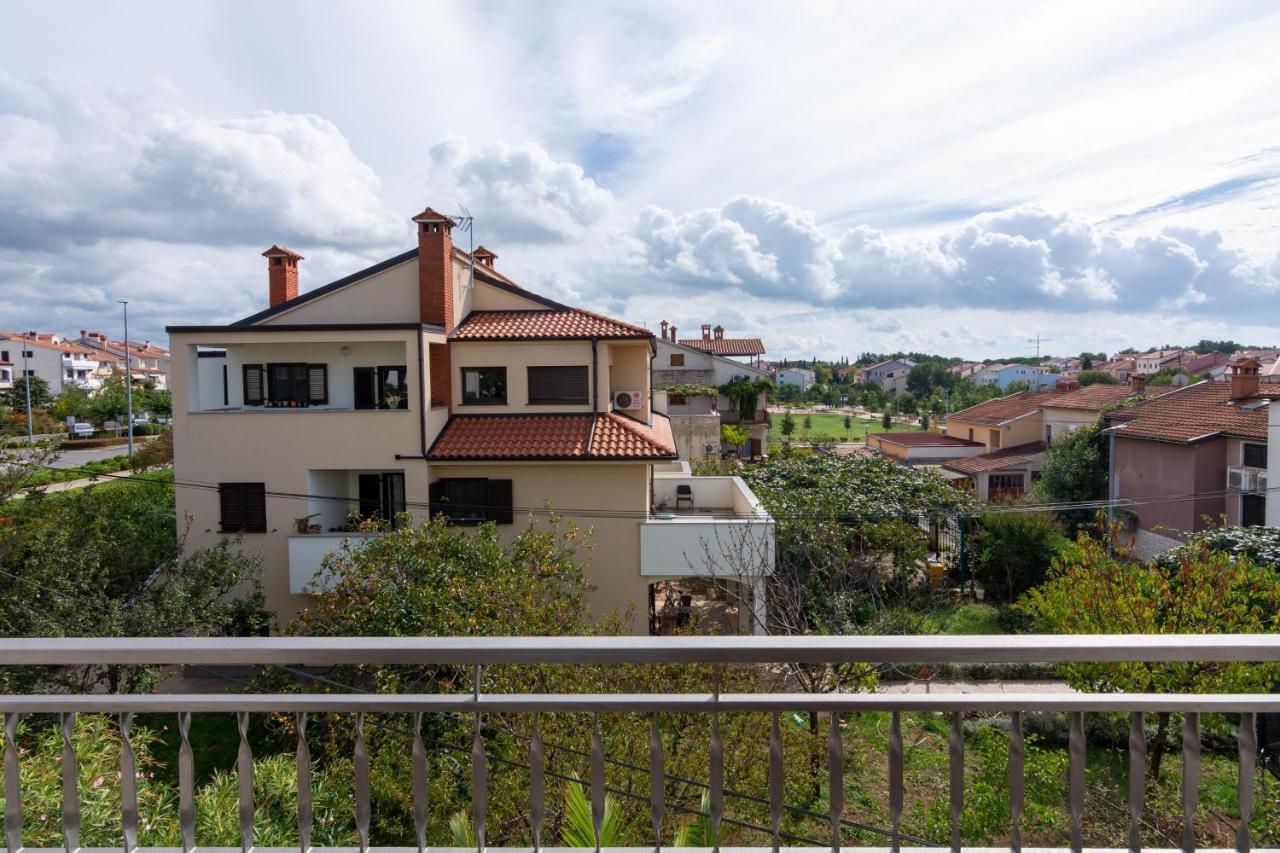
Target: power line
(836,516)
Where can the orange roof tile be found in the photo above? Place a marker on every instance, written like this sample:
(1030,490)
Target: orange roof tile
(576,436)
(1200,411)
(725,346)
(1096,397)
(554,324)
(1004,409)
(1006,457)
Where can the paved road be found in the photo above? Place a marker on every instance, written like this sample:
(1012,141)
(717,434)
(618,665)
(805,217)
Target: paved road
(76,458)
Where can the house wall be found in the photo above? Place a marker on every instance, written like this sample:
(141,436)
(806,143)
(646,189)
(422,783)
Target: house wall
(1273,464)
(694,433)
(390,296)
(210,378)
(1235,457)
(1146,469)
(1058,423)
(517,357)
(1021,431)
(281,447)
(613,558)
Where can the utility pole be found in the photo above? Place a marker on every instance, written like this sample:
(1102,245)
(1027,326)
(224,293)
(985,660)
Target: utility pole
(128,377)
(1037,340)
(26,383)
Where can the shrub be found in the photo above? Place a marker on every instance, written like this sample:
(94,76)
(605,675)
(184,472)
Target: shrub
(89,443)
(1014,551)
(157,451)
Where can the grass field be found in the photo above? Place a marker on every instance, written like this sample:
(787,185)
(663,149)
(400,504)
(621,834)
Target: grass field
(829,426)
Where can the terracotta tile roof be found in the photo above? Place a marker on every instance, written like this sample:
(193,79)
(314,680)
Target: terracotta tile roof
(1004,409)
(726,346)
(578,436)
(924,439)
(1201,411)
(556,324)
(1096,397)
(1005,457)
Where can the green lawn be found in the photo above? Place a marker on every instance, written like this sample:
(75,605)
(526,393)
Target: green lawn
(829,426)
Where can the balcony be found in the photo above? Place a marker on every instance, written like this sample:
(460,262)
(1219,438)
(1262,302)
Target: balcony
(722,531)
(308,550)
(733,416)
(763,818)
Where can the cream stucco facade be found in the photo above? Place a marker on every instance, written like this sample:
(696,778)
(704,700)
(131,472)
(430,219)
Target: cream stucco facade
(280,404)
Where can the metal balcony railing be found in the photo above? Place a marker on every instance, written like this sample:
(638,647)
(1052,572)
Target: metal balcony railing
(719,651)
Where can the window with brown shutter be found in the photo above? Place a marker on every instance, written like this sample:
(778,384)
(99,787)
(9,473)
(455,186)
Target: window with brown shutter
(244,507)
(318,384)
(254,382)
(677,359)
(558,386)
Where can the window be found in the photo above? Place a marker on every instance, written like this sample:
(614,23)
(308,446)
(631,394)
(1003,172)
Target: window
(1255,456)
(677,399)
(677,359)
(472,500)
(971,433)
(1253,510)
(26,353)
(244,507)
(226,391)
(484,386)
(4,355)
(995,438)
(1048,433)
(286,384)
(384,387)
(556,386)
(382,495)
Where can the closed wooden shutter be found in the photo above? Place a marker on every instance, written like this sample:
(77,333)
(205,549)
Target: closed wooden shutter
(567,385)
(499,510)
(254,380)
(243,506)
(318,384)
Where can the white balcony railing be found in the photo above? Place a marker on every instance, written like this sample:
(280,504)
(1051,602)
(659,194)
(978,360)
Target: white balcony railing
(460,654)
(308,550)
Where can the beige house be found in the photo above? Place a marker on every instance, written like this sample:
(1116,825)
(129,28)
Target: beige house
(432,383)
(686,380)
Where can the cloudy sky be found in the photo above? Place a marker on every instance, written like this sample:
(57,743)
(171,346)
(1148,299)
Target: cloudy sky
(834,178)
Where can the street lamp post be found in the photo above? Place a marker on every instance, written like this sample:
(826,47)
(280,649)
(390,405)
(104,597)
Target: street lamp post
(128,377)
(26,383)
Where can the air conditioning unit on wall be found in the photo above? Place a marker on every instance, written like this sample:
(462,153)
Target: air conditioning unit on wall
(628,400)
(1242,479)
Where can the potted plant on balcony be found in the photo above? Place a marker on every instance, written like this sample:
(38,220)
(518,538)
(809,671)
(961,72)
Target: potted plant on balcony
(392,400)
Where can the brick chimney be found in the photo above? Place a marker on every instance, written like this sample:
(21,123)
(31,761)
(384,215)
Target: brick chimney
(664,330)
(1244,377)
(282,274)
(673,334)
(706,331)
(1066,385)
(1138,381)
(719,330)
(435,268)
(484,256)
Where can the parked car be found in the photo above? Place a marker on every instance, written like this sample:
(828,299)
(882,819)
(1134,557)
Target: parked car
(81,430)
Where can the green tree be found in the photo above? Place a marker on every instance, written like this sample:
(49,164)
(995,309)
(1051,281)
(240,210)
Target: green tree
(1014,550)
(927,377)
(72,402)
(16,397)
(808,423)
(924,421)
(1075,467)
(788,424)
(110,402)
(848,424)
(1092,592)
(733,435)
(1096,377)
(106,562)
(886,420)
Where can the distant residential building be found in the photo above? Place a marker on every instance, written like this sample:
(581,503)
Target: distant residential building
(1009,431)
(1207,440)
(59,362)
(923,448)
(1157,360)
(966,369)
(1197,364)
(1121,368)
(800,377)
(714,342)
(890,375)
(1004,375)
(696,417)
(148,362)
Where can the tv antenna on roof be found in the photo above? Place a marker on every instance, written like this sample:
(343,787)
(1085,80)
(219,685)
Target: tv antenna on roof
(1037,340)
(466,222)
